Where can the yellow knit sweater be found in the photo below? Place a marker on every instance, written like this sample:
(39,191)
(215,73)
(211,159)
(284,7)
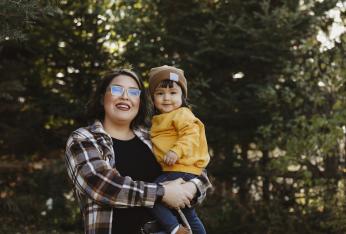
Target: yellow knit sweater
(181,132)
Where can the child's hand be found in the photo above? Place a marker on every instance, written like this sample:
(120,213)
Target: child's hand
(170,158)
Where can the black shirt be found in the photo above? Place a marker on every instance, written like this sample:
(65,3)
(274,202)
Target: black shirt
(133,158)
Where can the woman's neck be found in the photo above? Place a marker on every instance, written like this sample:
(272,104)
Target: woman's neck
(118,131)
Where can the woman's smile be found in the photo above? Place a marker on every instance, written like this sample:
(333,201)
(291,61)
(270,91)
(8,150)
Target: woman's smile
(123,106)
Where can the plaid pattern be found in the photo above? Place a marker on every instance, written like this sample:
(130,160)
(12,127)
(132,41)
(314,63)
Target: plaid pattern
(99,187)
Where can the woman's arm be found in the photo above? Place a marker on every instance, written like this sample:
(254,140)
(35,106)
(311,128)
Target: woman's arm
(93,176)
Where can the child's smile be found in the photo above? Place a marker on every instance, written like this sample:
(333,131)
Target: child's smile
(168,99)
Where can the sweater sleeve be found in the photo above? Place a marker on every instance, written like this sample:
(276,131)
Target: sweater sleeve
(188,133)
(94,177)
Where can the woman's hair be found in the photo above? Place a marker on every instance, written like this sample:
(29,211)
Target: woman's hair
(169,84)
(95,110)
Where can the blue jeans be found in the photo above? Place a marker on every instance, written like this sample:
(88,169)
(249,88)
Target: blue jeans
(168,218)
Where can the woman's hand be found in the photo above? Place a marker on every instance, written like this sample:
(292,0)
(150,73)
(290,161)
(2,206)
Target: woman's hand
(177,195)
(190,187)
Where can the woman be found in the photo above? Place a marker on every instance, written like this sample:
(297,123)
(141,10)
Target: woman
(111,164)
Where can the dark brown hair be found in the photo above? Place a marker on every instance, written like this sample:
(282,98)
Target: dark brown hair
(95,110)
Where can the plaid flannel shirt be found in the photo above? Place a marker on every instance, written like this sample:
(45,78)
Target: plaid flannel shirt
(98,185)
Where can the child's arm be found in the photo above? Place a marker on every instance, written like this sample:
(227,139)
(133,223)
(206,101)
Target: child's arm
(187,127)
(170,158)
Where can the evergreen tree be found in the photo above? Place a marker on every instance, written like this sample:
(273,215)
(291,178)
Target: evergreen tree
(242,61)
(47,80)
(19,16)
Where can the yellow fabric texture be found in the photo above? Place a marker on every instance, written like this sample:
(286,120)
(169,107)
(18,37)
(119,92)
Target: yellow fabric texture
(183,133)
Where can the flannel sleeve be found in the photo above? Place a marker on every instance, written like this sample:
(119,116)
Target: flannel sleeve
(203,184)
(93,176)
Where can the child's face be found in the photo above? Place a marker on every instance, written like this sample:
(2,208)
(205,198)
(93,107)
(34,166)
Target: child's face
(168,99)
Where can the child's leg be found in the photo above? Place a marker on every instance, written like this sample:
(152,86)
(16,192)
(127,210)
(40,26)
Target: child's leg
(195,223)
(163,214)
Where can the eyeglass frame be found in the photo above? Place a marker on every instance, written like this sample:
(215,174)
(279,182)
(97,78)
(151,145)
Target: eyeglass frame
(109,88)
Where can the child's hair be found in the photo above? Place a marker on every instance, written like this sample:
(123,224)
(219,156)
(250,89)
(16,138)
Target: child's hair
(169,84)
(158,74)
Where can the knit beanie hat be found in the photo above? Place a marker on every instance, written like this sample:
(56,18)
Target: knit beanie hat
(158,74)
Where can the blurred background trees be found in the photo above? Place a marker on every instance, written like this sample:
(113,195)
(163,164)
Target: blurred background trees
(266,77)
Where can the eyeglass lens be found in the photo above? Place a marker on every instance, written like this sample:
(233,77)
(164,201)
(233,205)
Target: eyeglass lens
(119,91)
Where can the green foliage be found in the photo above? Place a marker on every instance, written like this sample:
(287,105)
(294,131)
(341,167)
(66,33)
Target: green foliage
(19,16)
(39,200)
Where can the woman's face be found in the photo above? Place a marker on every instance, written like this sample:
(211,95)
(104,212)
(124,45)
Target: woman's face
(121,108)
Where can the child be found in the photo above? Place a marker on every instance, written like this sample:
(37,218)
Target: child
(178,138)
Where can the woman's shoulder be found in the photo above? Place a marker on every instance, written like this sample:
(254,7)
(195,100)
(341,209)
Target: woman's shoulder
(80,135)
(82,132)
(87,132)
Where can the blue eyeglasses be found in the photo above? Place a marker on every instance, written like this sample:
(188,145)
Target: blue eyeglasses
(117,90)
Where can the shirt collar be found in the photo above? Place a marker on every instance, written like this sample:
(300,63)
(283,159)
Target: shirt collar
(97,127)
